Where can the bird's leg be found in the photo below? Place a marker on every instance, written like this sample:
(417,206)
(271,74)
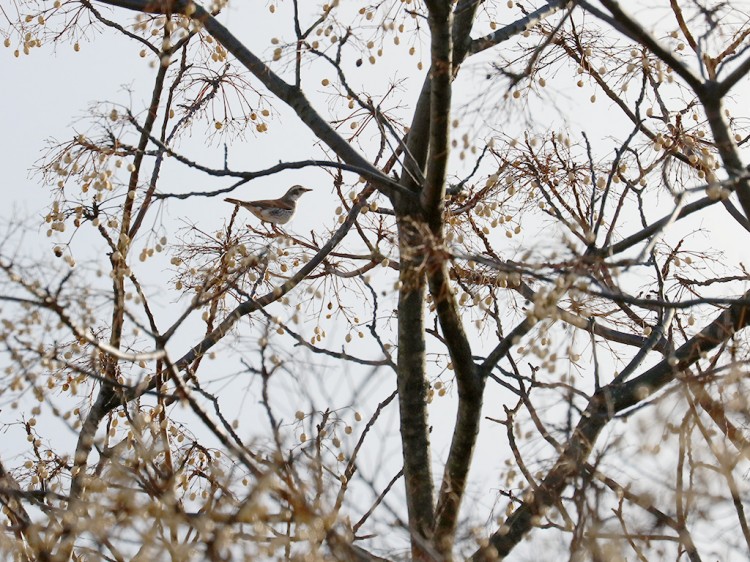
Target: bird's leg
(271,230)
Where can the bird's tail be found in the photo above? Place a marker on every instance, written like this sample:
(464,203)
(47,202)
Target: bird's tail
(233,201)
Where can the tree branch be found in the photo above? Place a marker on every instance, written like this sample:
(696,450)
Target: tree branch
(601,409)
(291,95)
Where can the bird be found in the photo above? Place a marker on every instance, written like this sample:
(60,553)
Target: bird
(275,211)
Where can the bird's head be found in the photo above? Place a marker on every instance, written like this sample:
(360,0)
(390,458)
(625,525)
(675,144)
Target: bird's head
(295,192)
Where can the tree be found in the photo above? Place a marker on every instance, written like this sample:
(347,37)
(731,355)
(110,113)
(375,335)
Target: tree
(480,245)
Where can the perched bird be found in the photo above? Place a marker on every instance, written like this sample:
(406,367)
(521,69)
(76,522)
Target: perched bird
(275,211)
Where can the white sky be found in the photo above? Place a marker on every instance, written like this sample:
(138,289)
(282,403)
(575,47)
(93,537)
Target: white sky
(44,95)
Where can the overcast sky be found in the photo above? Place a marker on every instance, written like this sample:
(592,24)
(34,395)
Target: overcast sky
(46,95)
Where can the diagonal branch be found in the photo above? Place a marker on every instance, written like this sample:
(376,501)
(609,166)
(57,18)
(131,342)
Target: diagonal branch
(601,409)
(251,305)
(291,95)
(710,93)
(519,26)
(626,25)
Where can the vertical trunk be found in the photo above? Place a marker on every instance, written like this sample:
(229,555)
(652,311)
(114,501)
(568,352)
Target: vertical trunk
(412,390)
(470,385)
